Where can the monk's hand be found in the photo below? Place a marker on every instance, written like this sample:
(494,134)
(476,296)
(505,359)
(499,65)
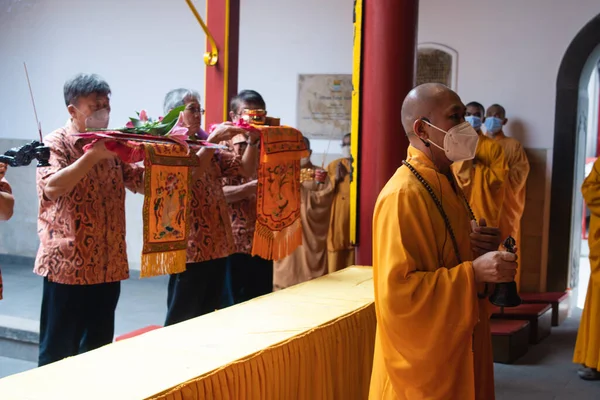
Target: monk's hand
(2,170)
(484,238)
(224,132)
(495,267)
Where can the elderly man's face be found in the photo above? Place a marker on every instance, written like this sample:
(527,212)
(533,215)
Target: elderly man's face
(192,116)
(86,107)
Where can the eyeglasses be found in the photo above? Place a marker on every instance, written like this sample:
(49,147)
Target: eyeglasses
(196,110)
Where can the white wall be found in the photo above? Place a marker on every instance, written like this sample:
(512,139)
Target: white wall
(281,39)
(509,52)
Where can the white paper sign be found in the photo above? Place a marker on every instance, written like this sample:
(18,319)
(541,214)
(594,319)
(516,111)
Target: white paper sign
(324,105)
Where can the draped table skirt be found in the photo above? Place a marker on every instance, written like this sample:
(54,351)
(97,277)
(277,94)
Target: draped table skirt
(311,341)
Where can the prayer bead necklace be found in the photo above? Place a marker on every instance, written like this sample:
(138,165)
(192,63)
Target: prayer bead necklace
(441,208)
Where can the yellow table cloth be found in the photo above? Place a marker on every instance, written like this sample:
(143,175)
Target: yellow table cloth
(311,341)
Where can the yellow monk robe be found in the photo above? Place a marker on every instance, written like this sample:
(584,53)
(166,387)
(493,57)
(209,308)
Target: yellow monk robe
(339,247)
(483,180)
(587,349)
(433,339)
(514,199)
(309,260)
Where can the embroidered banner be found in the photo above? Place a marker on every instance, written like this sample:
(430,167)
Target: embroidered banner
(166,209)
(278,229)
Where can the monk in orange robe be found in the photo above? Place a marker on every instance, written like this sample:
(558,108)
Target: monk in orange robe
(483,178)
(309,260)
(339,247)
(433,339)
(518,170)
(587,348)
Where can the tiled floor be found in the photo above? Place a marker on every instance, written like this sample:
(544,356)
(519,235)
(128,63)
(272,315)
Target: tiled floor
(143,301)
(545,373)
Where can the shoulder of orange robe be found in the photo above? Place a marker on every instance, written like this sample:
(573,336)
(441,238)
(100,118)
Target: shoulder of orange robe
(278,228)
(164,147)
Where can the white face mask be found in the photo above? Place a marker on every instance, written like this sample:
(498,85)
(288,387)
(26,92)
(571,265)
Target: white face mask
(460,142)
(346,153)
(98,119)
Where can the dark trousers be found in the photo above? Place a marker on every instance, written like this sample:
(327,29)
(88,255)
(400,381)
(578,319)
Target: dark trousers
(76,319)
(247,277)
(196,291)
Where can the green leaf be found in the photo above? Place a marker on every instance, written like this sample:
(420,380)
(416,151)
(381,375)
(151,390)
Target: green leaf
(136,122)
(173,115)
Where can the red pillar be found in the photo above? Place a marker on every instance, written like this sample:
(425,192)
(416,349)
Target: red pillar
(223,22)
(388,71)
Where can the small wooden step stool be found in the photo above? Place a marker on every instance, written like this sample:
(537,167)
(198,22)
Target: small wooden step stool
(510,339)
(538,315)
(558,300)
(137,332)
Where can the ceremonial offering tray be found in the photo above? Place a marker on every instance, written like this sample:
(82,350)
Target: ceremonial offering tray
(137,137)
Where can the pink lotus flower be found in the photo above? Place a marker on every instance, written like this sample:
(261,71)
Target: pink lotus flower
(129,124)
(143,116)
(179,133)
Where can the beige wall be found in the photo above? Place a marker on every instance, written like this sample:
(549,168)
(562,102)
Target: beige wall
(534,225)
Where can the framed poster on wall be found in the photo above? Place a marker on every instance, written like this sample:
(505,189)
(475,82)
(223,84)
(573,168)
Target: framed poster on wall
(324,105)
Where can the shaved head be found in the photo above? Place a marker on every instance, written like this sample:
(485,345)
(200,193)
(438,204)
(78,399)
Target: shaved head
(496,110)
(475,108)
(439,106)
(422,101)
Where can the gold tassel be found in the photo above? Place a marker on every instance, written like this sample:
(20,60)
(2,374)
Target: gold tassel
(161,263)
(276,245)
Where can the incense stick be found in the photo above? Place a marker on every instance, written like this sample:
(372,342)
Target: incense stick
(39,125)
(325,154)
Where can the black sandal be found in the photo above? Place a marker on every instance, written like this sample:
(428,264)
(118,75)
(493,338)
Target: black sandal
(588,374)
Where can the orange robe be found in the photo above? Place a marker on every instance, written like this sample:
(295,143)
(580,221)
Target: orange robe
(309,260)
(514,200)
(433,339)
(483,180)
(587,348)
(339,247)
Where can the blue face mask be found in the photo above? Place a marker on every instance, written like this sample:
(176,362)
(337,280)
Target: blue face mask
(493,125)
(474,121)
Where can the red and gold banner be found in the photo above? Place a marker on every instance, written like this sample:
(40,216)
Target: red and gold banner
(166,208)
(278,229)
